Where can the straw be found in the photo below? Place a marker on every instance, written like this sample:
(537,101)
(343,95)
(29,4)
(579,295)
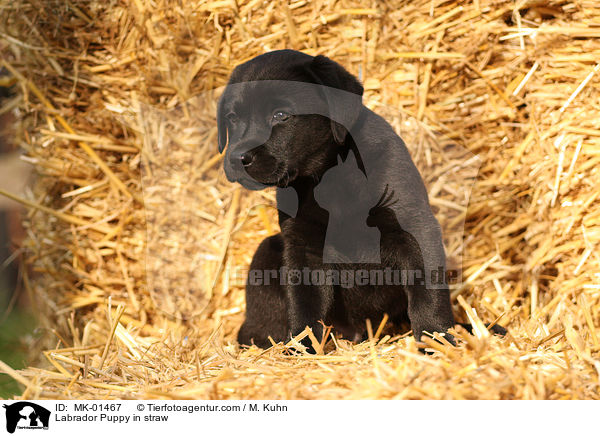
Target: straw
(130,208)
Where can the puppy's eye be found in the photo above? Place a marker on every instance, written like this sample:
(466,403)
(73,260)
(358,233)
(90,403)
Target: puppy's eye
(231,117)
(280,116)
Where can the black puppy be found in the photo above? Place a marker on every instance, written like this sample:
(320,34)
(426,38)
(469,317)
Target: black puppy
(358,238)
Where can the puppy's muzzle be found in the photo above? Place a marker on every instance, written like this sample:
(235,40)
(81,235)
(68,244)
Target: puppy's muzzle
(241,158)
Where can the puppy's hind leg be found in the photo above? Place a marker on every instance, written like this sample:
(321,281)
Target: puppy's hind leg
(429,308)
(265,300)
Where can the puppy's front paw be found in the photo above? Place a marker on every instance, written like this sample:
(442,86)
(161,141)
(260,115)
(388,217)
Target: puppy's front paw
(248,336)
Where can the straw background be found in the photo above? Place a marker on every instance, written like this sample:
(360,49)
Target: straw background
(514,82)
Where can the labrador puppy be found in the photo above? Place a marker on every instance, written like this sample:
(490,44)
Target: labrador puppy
(358,238)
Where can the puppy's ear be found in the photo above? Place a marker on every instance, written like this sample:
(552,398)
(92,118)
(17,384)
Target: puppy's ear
(222,123)
(343,107)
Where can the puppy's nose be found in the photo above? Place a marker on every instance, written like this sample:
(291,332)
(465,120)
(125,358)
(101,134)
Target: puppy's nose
(246,159)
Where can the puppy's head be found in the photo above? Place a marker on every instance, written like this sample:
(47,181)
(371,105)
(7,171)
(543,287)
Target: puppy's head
(282,115)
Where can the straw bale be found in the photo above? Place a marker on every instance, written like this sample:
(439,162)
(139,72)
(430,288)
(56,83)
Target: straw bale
(117,119)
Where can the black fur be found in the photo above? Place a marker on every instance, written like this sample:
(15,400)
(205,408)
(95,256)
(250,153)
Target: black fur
(326,131)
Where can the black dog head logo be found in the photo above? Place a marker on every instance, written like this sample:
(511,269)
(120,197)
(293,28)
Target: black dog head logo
(24,414)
